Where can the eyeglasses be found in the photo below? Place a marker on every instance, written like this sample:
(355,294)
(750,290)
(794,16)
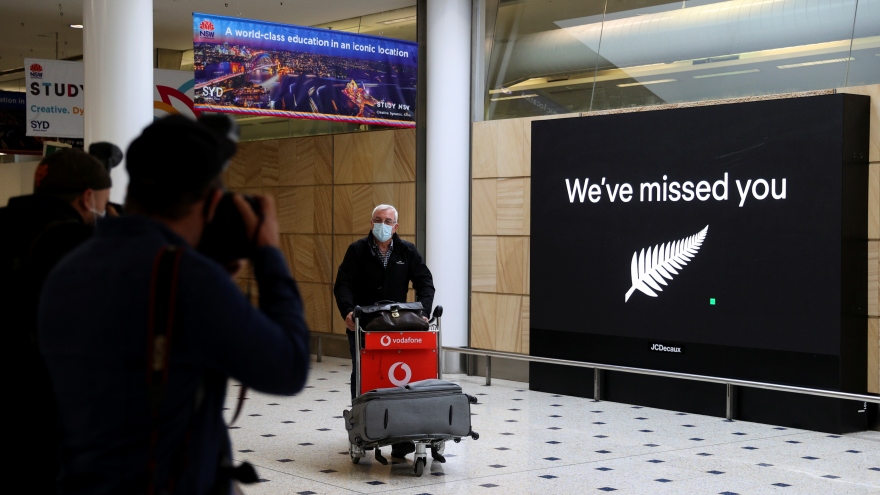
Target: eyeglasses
(389,222)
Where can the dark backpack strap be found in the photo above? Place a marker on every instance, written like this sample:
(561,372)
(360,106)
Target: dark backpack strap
(163,295)
(242,395)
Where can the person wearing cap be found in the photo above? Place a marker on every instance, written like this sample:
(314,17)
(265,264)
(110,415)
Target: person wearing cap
(123,429)
(71,190)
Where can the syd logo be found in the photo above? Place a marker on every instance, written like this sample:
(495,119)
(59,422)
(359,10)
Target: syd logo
(40,125)
(649,269)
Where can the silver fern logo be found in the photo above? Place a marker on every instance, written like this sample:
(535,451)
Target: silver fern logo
(649,268)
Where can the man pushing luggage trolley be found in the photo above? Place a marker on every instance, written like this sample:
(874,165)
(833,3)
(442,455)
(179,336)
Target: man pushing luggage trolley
(380,267)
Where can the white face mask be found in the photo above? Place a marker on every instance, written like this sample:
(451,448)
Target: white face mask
(96,213)
(382,232)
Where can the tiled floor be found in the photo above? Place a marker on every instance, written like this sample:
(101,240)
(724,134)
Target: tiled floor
(533,442)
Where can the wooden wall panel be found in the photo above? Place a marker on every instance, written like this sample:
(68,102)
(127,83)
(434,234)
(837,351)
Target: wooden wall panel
(245,168)
(306,161)
(510,140)
(525,325)
(508,319)
(317,299)
(873,355)
(874,278)
(352,159)
(484,150)
(382,156)
(305,209)
(484,260)
(270,162)
(484,196)
(874,201)
(310,256)
(511,269)
(512,206)
(483,320)
(404,164)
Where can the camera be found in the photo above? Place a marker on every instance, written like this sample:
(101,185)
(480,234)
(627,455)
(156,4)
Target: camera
(225,238)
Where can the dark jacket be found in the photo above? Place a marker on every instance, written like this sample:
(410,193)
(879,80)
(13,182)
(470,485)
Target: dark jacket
(36,231)
(362,280)
(93,334)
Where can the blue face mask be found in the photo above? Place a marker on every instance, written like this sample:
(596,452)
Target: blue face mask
(382,232)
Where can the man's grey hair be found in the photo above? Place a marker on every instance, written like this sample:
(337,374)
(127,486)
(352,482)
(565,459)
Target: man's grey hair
(383,208)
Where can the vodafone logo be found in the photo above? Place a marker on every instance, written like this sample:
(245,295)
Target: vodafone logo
(406,369)
(385,340)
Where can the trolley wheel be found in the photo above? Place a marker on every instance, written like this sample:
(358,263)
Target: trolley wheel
(419,466)
(355,460)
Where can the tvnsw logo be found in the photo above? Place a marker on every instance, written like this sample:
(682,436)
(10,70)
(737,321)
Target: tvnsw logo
(407,374)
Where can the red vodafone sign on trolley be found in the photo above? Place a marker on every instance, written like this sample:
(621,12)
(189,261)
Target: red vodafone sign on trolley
(401,340)
(394,359)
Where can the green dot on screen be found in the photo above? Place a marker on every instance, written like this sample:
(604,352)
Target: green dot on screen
(712,301)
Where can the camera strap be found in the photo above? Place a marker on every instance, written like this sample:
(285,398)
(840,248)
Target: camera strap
(163,295)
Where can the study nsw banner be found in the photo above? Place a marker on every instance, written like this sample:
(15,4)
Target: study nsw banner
(54,98)
(262,68)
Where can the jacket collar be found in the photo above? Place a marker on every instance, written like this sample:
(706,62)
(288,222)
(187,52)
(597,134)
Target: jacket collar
(137,225)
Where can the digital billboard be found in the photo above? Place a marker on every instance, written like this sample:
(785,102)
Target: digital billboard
(261,68)
(698,239)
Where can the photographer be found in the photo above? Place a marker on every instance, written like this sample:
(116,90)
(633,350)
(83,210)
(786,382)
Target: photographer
(140,332)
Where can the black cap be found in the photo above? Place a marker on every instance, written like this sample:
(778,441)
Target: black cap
(70,171)
(176,153)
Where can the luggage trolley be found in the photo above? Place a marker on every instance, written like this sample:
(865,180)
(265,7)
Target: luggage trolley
(386,363)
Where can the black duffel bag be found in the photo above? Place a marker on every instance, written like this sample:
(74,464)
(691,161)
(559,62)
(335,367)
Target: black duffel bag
(390,316)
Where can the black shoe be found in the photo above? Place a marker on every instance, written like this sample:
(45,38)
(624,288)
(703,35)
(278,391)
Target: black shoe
(400,450)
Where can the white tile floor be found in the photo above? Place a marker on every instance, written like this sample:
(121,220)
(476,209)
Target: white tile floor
(533,442)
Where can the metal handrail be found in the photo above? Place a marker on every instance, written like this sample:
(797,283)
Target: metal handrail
(730,382)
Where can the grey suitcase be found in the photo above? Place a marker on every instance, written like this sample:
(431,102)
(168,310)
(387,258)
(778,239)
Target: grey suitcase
(429,411)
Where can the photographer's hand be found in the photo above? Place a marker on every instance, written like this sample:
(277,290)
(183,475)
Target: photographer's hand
(268,229)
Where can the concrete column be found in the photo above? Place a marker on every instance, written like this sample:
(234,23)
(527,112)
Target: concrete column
(448,162)
(118,58)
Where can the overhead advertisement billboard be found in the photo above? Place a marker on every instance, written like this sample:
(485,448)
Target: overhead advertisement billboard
(724,240)
(261,68)
(54,98)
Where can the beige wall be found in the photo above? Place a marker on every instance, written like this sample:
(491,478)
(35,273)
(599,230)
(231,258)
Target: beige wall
(501,172)
(325,188)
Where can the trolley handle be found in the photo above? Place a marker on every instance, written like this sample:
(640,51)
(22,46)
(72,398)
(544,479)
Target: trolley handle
(438,312)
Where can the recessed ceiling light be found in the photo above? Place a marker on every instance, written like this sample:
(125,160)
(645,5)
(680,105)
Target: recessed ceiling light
(817,62)
(76,26)
(645,83)
(719,74)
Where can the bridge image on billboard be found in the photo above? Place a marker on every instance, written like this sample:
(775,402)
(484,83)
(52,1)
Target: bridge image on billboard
(260,68)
